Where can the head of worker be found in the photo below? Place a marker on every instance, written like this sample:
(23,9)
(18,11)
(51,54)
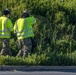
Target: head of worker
(25,14)
(6,12)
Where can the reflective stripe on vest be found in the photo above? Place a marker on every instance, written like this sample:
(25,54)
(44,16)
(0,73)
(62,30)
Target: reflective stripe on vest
(4,35)
(24,30)
(25,34)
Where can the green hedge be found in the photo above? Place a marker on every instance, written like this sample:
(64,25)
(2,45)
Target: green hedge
(52,59)
(55,31)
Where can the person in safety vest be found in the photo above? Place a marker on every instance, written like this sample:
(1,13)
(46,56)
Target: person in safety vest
(6,27)
(23,29)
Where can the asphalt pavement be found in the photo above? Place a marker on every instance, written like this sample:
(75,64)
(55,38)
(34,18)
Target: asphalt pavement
(38,68)
(36,73)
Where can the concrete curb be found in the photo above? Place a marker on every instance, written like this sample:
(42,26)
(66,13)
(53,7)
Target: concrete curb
(37,68)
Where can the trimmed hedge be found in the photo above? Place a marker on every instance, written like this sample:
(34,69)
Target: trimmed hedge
(55,31)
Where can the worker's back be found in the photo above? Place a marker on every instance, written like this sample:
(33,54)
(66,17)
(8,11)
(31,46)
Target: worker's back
(23,27)
(6,27)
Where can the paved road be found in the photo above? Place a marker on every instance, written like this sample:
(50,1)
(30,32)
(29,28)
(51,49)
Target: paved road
(36,73)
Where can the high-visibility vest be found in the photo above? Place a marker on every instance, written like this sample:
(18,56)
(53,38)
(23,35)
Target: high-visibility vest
(6,27)
(23,27)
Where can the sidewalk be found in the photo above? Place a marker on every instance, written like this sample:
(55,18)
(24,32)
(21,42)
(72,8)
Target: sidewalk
(37,68)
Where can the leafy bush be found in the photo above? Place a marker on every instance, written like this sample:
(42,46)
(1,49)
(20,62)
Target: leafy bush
(55,31)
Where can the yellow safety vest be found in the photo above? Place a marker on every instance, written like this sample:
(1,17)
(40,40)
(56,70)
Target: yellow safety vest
(6,27)
(23,27)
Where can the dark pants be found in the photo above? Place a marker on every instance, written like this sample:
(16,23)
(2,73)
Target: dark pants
(5,47)
(25,46)
(33,45)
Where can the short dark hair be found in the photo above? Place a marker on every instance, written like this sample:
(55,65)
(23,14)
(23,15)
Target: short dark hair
(5,12)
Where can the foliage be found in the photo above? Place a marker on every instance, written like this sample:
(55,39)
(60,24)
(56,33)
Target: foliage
(35,59)
(55,31)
